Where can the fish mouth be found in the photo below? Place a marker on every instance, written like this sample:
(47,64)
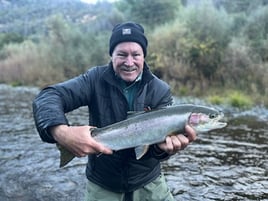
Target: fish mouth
(219,124)
(220,120)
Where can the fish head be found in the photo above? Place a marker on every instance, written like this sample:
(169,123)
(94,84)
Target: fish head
(205,120)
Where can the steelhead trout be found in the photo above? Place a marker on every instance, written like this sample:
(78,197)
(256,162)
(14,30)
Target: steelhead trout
(146,128)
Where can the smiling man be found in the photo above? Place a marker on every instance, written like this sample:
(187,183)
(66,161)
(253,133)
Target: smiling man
(128,60)
(110,92)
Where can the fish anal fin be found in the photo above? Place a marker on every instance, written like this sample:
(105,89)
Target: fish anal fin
(140,151)
(65,155)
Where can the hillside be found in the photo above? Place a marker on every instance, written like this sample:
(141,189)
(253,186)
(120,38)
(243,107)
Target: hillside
(28,17)
(204,47)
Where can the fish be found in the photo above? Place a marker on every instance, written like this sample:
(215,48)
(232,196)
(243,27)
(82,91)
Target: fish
(143,129)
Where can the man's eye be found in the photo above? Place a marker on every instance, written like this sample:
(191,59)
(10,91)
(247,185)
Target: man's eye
(121,55)
(136,55)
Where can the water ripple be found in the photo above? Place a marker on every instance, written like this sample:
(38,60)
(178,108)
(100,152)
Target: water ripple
(224,165)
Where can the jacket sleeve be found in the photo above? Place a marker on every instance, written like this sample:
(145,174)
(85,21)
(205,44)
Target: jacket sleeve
(157,153)
(51,104)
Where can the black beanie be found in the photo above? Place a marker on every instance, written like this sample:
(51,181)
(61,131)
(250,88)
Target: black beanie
(128,32)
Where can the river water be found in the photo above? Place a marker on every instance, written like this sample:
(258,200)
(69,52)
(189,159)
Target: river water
(228,164)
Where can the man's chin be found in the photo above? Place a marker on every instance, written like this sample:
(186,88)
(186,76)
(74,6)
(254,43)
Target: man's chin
(128,77)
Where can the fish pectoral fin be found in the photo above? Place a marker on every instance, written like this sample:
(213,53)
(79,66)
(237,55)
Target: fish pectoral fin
(65,155)
(140,151)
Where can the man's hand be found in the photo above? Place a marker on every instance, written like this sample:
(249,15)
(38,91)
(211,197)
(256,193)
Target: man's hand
(175,143)
(78,140)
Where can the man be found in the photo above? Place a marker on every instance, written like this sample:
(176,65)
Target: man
(110,92)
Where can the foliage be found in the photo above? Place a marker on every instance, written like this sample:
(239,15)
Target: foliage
(28,17)
(151,13)
(244,66)
(198,47)
(246,6)
(26,63)
(211,32)
(256,31)
(67,46)
(240,100)
(231,98)
(195,42)
(7,38)
(65,51)
(105,21)
(215,99)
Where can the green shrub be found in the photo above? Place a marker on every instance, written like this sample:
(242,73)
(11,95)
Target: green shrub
(256,30)
(211,30)
(7,38)
(216,99)
(240,100)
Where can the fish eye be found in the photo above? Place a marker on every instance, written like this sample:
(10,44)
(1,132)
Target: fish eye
(212,116)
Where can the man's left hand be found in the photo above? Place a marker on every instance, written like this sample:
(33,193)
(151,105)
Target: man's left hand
(175,143)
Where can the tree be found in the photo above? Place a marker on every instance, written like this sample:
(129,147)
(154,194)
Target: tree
(6,38)
(256,31)
(236,6)
(149,12)
(210,29)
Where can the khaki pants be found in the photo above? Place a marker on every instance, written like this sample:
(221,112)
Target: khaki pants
(157,190)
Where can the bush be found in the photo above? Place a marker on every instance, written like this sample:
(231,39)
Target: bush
(240,100)
(216,99)
(256,30)
(65,52)
(189,51)
(26,64)
(150,13)
(211,29)
(7,38)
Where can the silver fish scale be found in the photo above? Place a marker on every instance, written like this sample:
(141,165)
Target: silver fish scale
(144,132)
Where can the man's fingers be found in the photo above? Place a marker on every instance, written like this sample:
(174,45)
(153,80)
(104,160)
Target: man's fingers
(191,134)
(172,145)
(99,148)
(184,141)
(176,142)
(105,150)
(168,146)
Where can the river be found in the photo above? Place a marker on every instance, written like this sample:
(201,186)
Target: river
(228,164)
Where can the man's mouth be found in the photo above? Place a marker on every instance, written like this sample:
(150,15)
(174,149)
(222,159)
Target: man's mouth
(128,69)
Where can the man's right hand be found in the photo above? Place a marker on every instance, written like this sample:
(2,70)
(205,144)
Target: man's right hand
(78,140)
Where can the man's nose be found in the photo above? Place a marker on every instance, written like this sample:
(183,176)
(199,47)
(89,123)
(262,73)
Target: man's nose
(129,61)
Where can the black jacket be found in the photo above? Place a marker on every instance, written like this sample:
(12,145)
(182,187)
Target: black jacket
(99,89)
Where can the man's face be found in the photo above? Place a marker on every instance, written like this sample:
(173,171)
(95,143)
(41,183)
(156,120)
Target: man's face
(128,60)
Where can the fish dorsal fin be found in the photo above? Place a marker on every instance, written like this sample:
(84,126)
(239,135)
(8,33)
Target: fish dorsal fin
(140,151)
(146,110)
(134,113)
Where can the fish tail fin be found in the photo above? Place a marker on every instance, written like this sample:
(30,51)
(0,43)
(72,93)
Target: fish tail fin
(65,155)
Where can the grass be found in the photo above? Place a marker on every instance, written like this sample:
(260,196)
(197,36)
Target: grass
(236,99)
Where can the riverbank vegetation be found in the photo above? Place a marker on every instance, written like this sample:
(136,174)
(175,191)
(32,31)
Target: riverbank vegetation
(217,50)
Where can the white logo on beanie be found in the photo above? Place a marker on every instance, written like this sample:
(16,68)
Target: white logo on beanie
(126,31)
